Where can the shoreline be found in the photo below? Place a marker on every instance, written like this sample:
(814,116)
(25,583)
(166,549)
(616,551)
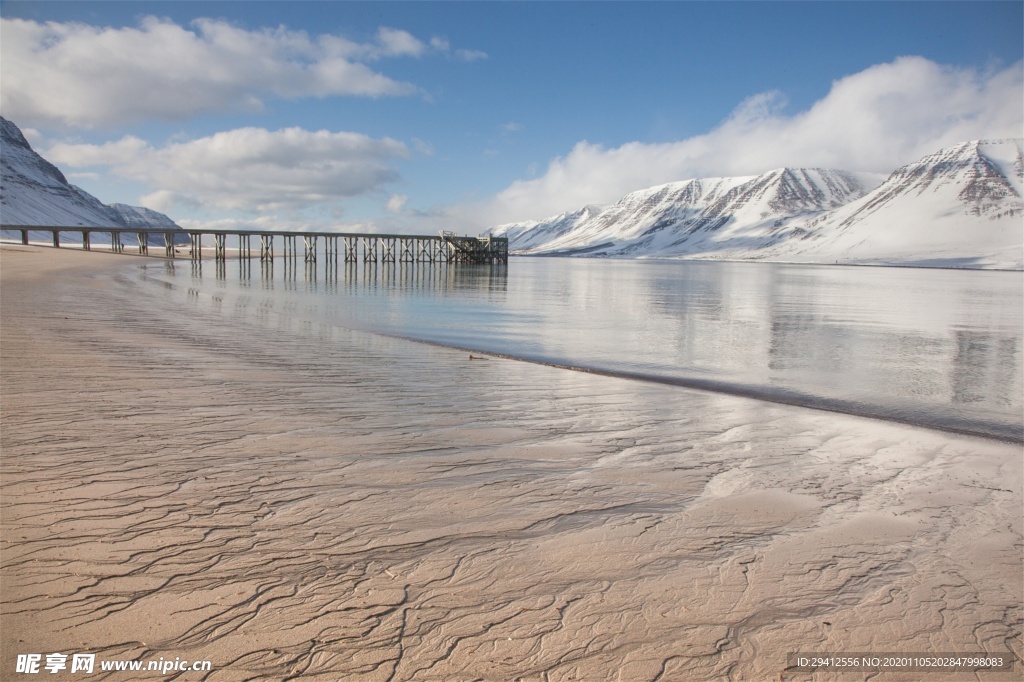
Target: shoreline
(323,503)
(791,398)
(682,259)
(946,424)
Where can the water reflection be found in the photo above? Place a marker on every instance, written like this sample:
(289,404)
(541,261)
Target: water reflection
(935,347)
(424,279)
(976,358)
(244,269)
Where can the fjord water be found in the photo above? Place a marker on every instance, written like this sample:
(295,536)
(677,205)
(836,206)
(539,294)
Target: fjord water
(938,348)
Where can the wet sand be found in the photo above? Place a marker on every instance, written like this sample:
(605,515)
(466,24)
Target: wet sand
(290,500)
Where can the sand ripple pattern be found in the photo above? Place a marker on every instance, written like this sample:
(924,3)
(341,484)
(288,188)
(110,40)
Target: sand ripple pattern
(296,501)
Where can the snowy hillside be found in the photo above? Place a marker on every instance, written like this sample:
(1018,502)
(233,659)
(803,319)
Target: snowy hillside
(141,217)
(705,215)
(34,192)
(959,207)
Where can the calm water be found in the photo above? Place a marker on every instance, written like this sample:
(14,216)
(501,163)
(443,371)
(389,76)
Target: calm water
(940,348)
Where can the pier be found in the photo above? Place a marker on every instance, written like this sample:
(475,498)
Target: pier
(446,247)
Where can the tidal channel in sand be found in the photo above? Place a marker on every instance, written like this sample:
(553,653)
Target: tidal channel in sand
(298,500)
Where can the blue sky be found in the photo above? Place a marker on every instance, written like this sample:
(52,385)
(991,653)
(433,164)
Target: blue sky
(417,116)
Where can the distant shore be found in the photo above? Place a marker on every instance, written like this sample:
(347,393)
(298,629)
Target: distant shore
(926,265)
(324,504)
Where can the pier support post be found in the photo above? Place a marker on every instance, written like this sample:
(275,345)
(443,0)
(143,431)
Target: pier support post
(369,249)
(351,249)
(56,239)
(289,245)
(115,242)
(309,243)
(24,237)
(143,238)
(266,247)
(85,240)
(220,251)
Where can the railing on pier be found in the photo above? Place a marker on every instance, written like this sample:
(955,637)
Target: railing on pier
(447,247)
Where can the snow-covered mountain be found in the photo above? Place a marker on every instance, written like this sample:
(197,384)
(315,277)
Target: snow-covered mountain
(142,217)
(704,215)
(34,192)
(961,206)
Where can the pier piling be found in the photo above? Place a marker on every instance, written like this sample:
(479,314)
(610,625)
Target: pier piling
(447,247)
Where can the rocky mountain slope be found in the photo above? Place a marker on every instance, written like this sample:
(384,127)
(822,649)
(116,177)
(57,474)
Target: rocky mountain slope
(34,192)
(961,206)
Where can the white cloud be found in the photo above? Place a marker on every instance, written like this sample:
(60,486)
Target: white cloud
(166,201)
(396,203)
(876,120)
(73,74)
(441,45)
(78,177)
(423,147)
(247,169)
(269,223)
(32,135)
(395,42)
(470,55)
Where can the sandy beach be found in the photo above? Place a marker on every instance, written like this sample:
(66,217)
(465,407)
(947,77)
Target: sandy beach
(309,502)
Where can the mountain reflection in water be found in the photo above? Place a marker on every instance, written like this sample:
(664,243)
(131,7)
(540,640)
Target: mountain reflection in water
(938,348)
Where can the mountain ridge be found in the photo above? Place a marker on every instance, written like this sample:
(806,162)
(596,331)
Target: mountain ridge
(34,192)
(960,206)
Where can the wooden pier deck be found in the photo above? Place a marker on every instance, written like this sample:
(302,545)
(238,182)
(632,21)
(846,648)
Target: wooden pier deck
(446,247)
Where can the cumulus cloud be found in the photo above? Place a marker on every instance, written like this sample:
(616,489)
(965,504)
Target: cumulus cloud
(395,43)
(74,74)
(396,203)
(442,45)
(267,223)
(247,169)
(875,120)
(470,55)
